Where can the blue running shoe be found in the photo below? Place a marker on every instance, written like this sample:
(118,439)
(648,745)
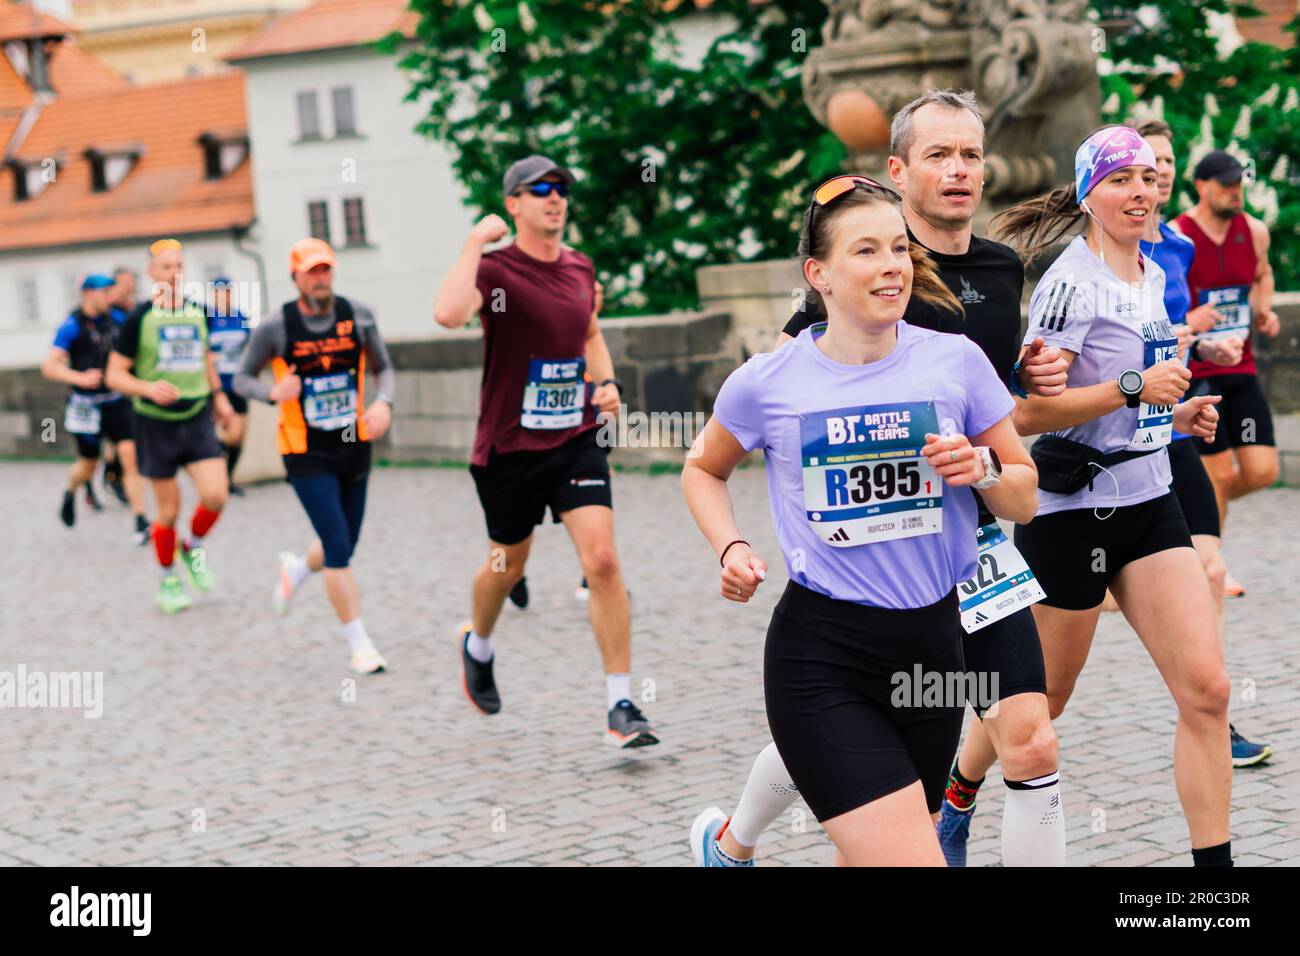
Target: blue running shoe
(1244,752)
(704,840)
(953,830)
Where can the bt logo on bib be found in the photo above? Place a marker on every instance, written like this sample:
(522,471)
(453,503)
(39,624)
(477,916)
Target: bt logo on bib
(875,427)
(559,370)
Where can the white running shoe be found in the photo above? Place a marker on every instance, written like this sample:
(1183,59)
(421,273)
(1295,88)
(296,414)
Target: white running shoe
(284,585)
(366,659)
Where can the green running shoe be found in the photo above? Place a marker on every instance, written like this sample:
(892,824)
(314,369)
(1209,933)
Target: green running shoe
(196,564)
(171,596)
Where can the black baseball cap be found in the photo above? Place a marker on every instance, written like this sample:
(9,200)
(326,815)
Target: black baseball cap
(1222,167)
(530,170)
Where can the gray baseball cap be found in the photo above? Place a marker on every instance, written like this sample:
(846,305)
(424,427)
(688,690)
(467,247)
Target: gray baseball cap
(530,170)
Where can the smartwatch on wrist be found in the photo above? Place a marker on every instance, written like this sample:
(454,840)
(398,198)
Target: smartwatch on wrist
(612,381)
(992,468)
(1130,382)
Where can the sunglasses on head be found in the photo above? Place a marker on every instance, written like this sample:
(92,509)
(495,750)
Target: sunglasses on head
(833,189)
(545,188)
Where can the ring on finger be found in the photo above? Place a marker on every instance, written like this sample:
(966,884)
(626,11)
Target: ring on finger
(953,453)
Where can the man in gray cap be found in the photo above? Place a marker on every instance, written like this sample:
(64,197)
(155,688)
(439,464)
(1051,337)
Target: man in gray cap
(547,373)
(1231,273)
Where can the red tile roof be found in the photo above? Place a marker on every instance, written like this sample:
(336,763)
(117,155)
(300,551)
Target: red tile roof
(164,194)
(75,72)
(329,25)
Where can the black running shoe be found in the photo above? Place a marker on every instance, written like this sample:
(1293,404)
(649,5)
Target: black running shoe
(91,500)
(237,491)
(519,594)
(119,491)
(143,534)
(476,679)
(113,482)
(68,513)
(629,728)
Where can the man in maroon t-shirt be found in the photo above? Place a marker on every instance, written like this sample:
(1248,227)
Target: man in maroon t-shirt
(1231,272)
(536,441)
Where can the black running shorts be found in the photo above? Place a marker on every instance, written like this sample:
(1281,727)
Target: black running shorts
(1194,489)
(163,447)
(114,424)
(844,703)
(516,488)
(1244,416)
(1005,657)
(1075,555)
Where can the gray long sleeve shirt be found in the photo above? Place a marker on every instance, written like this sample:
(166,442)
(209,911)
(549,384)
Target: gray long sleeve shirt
(269,341)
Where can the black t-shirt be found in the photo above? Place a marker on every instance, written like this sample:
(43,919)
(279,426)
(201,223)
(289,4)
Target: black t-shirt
(989,281)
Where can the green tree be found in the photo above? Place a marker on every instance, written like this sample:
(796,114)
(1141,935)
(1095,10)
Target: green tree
(679,165)
(1248,102)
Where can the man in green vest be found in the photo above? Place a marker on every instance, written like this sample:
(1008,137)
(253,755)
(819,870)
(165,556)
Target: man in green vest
(162,362)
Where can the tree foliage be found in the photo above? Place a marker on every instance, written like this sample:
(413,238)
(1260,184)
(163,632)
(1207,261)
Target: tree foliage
(680,164)
(1248,102)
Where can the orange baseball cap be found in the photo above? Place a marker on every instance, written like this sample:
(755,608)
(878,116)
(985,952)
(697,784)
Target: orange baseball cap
(306,254)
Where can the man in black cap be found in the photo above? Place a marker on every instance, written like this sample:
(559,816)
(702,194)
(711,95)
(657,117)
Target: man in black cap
(1231,273)
(547,372)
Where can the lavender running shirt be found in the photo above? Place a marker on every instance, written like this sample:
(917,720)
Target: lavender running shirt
(1081,305)
(798,405)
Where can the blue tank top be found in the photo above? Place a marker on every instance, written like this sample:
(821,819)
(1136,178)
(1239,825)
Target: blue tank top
(1174,255)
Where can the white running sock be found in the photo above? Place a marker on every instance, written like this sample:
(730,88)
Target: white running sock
(1033,823)
(356,634)
(617,687)
(297,570)
(480,648)
(769,791)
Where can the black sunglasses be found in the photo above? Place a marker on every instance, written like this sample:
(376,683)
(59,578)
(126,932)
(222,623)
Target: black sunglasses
(545,188)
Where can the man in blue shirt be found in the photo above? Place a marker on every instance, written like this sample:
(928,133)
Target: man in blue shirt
(77,358)
(228,332)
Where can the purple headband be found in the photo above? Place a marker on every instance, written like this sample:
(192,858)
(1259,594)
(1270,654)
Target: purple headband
(1104,152)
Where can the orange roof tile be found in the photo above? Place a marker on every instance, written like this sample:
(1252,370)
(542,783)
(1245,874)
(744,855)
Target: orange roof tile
(20,20)
(165,194)
(329,25)
(75,72)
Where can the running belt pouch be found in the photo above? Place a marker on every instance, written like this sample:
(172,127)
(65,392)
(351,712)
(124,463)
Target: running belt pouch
(1066,466)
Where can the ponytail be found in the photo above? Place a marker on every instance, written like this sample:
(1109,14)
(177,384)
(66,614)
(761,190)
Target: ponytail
(1036,224)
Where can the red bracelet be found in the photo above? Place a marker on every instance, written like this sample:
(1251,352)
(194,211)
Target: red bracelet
(723,560)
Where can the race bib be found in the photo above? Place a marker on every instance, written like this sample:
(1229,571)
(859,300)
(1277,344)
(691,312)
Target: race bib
(555,394)
(1232,303)
(228,345)
(864,479)
(329,402)
(1002,583)
(82,416)
(180,348)
(1155,425)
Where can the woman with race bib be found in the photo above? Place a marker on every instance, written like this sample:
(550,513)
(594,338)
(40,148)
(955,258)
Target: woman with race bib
(863,421)
(1106,515)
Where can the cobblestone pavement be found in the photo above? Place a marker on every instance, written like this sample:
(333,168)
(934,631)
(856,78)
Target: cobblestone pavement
(229,736)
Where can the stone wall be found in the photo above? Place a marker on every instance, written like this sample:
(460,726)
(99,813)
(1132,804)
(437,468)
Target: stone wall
(668,364)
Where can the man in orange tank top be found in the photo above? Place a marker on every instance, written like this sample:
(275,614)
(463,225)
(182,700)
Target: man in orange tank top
(1231,273)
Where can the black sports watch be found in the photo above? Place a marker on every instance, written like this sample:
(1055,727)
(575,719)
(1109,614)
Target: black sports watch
(612,381)
(1130,383)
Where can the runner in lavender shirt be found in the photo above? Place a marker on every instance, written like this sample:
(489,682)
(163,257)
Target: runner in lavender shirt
(1102,304)
(864,423)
